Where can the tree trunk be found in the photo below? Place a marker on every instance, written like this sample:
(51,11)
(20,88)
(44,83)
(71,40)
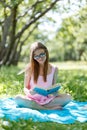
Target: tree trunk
(11,45)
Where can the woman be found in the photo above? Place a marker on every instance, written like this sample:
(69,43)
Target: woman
(42,74)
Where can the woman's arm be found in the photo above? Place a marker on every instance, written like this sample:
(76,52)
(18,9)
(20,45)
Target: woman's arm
(55,80)
(27,77)
(55,76)
(27,88)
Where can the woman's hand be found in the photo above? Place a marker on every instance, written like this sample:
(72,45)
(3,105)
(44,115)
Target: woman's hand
(29,91)
(55,94)
(26,91)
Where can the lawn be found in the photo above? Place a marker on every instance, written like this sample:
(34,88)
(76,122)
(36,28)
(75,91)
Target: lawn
(73,78)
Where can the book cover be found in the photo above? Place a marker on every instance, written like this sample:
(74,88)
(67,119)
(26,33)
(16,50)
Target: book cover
(46,92)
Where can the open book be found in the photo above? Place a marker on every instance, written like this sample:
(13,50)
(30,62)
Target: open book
(46,92)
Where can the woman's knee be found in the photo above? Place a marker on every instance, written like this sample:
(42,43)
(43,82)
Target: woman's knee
(68,97)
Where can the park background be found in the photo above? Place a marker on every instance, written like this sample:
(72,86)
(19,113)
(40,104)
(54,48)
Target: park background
(59,24)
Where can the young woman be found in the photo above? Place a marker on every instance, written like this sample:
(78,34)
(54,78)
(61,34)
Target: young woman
(42,74)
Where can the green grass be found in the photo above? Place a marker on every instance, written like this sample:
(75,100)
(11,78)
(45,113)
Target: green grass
(73,81)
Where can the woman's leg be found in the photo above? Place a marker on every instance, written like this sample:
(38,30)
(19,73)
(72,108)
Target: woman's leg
(25,102)
(56,103)
(60,101)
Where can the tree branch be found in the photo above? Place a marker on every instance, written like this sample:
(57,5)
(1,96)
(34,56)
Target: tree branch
(33,20)
(30,32)
(30,8)
(4,4)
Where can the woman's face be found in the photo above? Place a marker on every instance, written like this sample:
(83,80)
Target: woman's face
(40,56)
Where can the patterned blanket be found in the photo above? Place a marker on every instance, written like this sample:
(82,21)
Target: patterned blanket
(69,114)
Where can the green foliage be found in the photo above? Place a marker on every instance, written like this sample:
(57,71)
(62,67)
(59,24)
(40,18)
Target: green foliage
(71,38)
(72,81)
(10,83)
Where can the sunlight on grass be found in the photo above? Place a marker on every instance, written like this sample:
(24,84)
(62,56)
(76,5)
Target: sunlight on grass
(71,65)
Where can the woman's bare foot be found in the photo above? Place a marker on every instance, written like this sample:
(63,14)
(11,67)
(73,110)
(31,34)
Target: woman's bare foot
(59,107)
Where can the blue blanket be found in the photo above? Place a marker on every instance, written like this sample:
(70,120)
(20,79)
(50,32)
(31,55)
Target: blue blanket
(69,114)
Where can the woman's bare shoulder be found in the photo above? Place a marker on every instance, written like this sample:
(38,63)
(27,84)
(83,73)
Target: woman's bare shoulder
(54,66)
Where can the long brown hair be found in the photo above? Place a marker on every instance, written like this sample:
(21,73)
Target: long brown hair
(35,65)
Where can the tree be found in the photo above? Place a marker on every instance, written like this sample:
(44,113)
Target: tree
(19,18)
(72,37)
